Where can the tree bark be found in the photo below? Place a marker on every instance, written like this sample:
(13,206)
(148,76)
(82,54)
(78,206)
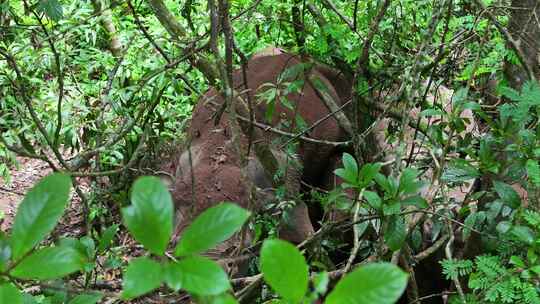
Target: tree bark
(115,46)
(524,27)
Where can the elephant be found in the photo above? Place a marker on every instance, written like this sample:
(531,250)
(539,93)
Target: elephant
(210,170)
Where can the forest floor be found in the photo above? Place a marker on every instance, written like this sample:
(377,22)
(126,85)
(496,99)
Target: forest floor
(23,177)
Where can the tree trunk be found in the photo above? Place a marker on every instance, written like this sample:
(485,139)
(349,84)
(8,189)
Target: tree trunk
(115,46)
(524,27)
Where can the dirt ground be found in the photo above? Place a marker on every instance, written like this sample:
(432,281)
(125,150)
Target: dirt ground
(23,178)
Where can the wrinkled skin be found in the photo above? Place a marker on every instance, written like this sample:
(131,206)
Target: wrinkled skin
(217,175)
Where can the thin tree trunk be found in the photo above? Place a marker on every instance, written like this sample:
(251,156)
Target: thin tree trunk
(524,26)
(115,46)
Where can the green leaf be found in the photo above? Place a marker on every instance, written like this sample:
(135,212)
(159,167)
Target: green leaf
(533,171)
(106,237)
(368,172)
(293,71)
(349,172)
(373,199)
(470,221)
(198,275)
(142,276)
(408,181)
(52,8)
(378,283)
(320,282)
(222,299)
(86,299)
(49,263)
(523,234)
(507,194)
(517,261)
(416,201)
(212,227)
(150,218)
(284,268)
(39,212)
(431,112)
(459,171)
(10,294)
(396,233)
(503,227)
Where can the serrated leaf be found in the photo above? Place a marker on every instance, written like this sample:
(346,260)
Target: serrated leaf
(39,212)
(284,268)
(141,276)
(377,283)
(198,275)
(49,263)
(212,227)
(150,217)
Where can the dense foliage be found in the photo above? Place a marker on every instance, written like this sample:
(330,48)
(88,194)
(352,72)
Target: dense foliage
(101,90)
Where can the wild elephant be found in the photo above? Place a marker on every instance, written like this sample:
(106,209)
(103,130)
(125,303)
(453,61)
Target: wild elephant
(210,170)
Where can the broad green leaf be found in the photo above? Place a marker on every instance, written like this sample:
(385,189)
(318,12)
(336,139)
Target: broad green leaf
(142,276)
(198,275)
(507,194)
(284,268)
(222,299)
(523,233)
(503,227)
(416,201)
(349,172)
(293,71)
(517,261)
(459,171)
(10,294)
(52,8)
(86,299)
(378,283)
(391,208)
(107,237)
(373,199)
(470,222)
(408,181)
(368,172)
(396,233)
(431,112)
(49,263)
(150,218)
(212,227)
(39,212)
